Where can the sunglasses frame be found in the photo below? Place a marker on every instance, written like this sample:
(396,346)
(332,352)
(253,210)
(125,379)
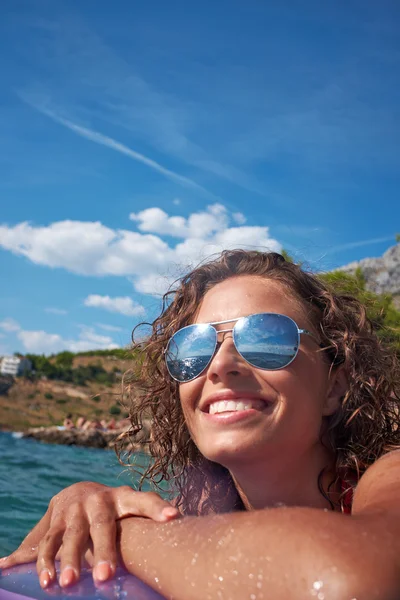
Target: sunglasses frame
(299,332)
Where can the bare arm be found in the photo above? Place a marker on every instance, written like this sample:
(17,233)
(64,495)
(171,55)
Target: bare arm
(279,553)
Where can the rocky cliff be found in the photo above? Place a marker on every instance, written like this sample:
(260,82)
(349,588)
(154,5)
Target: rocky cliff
(382,275)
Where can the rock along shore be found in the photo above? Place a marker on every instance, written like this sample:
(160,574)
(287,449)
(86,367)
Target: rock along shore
(91,438)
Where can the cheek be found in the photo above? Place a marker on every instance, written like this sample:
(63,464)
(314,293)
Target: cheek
(188,395)
(304,381)
(311,368)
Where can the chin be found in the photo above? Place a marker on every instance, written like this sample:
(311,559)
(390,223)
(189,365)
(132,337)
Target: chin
(230,452)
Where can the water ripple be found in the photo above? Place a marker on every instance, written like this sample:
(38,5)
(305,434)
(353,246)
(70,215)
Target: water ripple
(31,473)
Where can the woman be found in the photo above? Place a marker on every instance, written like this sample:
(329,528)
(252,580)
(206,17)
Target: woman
(274,414)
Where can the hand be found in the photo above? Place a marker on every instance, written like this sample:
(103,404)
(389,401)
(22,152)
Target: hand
(82,516)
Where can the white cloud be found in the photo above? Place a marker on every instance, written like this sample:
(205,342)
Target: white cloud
(108,327)
(176,201)
(86,248)
(239,218)
(9,325)
(90,336)
(91,248)
(157,221)
(42,342)
(197,225)
(56,311)
(154,283)
(120,304)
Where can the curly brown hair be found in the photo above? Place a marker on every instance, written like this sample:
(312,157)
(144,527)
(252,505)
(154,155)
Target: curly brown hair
(363,429)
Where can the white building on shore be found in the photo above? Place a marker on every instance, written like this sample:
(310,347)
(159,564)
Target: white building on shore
(14,365)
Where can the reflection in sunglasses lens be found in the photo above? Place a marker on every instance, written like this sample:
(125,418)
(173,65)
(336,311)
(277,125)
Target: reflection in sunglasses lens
(266,341)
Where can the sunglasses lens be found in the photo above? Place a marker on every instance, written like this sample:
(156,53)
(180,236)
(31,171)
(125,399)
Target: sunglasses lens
(267,341)
(189,351)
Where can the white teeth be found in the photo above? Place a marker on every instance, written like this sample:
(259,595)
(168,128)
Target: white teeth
(234,405)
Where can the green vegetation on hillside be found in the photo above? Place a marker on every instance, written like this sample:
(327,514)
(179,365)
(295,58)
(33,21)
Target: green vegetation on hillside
(60,367)
(380,308)
(121,353)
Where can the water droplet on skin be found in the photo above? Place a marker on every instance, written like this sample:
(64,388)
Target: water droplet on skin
(317,585)
(251,576)
(220,578)
(321,596)
(259,585)
(156,579)
(253,597)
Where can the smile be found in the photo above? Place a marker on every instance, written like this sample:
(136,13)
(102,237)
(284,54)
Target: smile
(223,406)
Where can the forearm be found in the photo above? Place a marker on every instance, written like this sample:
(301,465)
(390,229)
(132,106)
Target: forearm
(280,553)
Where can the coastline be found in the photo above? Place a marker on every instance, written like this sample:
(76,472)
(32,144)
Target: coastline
(90,438)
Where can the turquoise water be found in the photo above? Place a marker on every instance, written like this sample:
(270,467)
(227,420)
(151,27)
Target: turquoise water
(31,473)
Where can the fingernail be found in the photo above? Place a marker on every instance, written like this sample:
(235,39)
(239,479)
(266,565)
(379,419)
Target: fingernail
(68,576)
(102,571)
(44,578)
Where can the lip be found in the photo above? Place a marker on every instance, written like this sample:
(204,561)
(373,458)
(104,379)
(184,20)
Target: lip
(232,395)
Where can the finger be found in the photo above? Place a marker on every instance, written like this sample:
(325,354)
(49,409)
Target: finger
(74,545)
(104,537)
(144,504)
(103,534)
(88,558)
(19,557)
(48,549)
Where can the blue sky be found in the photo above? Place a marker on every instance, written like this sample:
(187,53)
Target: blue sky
(137,138)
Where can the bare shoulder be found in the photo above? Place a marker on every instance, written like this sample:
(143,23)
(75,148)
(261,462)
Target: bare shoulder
(379,487)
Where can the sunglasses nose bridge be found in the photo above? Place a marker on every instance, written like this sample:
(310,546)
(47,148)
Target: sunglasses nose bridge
(226,357)
(221,334)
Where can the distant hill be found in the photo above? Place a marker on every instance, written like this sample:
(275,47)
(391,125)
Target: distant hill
(382,275)
(84,385)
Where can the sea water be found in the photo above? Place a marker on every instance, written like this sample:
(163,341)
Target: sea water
(32,472)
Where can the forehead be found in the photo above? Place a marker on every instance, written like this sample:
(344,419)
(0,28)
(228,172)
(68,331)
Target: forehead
(245,295)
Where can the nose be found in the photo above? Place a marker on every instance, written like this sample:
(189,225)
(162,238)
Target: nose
(227,361)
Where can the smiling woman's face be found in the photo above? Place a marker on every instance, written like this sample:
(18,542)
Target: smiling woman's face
(282,410)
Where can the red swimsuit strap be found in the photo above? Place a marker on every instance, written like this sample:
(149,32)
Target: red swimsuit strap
(347,499)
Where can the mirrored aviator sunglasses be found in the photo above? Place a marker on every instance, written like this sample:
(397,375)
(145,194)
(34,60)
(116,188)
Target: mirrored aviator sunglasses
(268,341)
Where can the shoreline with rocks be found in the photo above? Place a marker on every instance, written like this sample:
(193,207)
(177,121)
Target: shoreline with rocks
(89,438)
